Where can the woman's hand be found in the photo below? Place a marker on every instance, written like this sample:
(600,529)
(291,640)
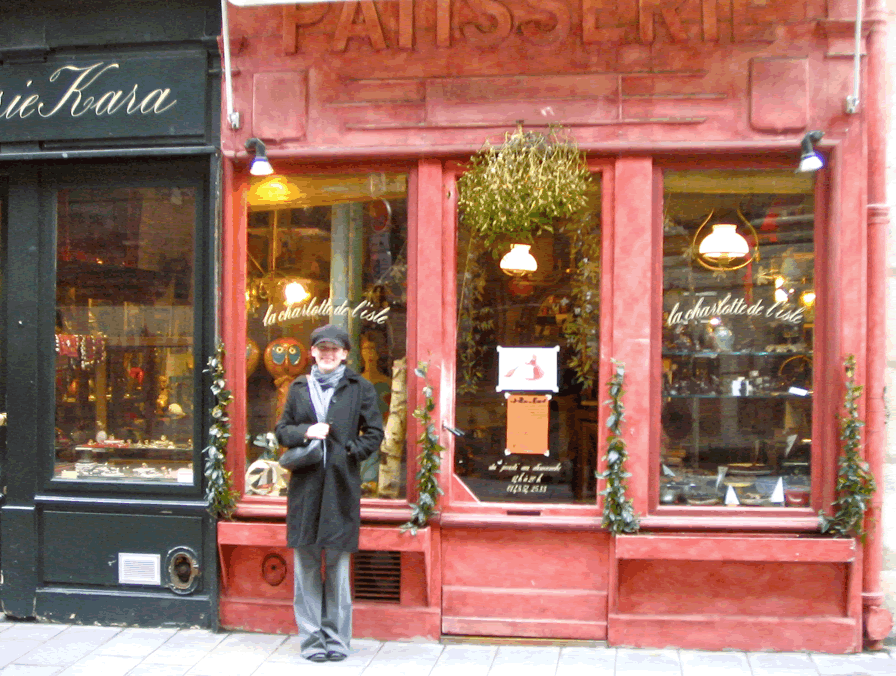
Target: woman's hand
(318,431)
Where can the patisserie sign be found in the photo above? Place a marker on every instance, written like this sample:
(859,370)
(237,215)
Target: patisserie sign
(315,309)
(728,306)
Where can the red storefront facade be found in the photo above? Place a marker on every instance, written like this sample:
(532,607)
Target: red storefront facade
(369,111)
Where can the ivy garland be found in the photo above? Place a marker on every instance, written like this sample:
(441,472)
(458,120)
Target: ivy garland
(219,491)
(619,513)
(855,482)
(429,460)
(516,190)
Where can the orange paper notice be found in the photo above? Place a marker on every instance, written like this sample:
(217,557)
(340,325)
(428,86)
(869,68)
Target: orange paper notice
(527,423)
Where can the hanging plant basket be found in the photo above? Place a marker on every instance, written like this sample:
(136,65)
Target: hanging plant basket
(514,191)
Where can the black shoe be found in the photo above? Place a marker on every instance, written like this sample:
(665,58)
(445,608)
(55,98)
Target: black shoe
(335,656)
(317,657)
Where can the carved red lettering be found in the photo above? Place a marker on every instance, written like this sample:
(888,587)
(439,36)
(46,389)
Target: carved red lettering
(549,32)
(710,21)
(369,28)
(647,10)
(405,24)
(500,24)
(590,31)
(443,23)
(299,15)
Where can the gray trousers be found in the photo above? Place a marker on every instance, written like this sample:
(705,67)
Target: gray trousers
(323,607)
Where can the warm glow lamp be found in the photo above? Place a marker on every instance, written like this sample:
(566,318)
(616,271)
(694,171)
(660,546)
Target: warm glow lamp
(518,261)
(724,244)
(294,293)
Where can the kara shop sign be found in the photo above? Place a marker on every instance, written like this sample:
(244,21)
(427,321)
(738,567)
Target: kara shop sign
(103,98)
(415,24)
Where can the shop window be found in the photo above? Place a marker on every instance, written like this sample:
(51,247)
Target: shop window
(326,248)
(527,355)
(124,334)
(738,325)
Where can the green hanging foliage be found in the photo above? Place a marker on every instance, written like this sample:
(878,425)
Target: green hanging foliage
(516,190)
(429,460)
(619,513)
(855,482)
(219,491)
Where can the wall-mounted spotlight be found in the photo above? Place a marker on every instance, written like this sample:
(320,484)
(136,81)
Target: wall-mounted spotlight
(260,165)
(810,159)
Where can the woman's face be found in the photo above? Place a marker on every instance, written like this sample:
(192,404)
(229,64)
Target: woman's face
(328,356)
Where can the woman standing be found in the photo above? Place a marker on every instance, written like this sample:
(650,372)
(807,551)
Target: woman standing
(338,407)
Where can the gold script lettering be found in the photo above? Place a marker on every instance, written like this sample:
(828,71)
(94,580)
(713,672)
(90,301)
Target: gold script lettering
(76,87)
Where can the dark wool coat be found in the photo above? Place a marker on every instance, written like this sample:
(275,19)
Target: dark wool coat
(324,502)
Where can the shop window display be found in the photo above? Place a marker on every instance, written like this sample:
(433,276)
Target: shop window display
(124,334)
(326,249)
(527,356)
(738,328)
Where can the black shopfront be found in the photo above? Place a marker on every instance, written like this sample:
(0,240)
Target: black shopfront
(108,180)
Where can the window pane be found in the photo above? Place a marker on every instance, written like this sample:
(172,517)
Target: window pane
(124,334)
(533,445)
(737,338)
(326,249)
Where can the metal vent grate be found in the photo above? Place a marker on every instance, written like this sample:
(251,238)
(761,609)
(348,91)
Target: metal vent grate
(376,576)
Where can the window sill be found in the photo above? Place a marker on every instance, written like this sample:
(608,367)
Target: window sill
(259,507)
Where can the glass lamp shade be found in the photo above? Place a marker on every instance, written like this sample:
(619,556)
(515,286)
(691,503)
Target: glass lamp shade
(811,162)
(518,261)
(294,293)
(724,244)
(261,167)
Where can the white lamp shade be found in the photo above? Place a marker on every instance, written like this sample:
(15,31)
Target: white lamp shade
(518,261)
(724,243)
(811,162)
(294,293)
(261,167)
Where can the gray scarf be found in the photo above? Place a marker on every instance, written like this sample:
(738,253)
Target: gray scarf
(321,387)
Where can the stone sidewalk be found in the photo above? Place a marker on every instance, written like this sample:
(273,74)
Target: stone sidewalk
(34,649)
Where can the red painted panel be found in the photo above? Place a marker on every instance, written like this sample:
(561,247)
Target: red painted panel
(735,548)
(708,632)
(369,620)
(732,588)
(279,105)
(546,559)
(585,631)
(556,604)
(779,94)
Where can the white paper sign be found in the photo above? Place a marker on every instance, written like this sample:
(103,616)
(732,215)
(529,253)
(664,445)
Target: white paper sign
(527,369)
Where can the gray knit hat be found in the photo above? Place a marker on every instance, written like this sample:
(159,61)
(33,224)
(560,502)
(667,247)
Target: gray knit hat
(330,333)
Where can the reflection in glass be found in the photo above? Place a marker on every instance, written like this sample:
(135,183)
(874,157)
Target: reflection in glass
(124,334)
(326,249)
(737,338)
(552,309)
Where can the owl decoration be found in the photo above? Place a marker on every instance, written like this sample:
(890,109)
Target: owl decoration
(253,356)
(284,358)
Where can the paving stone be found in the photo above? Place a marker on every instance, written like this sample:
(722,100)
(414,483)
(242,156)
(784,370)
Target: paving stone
(576,660)
(246,643)
(469,660)
(29,670)
(186,647)
(701,663)
(10,651)
(872,664)
(640,661)
(397,658)
(69,646)
(135,642)
(525,660)
(32,630)
(144,669)
(233,664)
(781,664)
(107,665)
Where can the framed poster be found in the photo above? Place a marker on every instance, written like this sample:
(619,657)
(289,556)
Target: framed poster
(527,369)
(528,416)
